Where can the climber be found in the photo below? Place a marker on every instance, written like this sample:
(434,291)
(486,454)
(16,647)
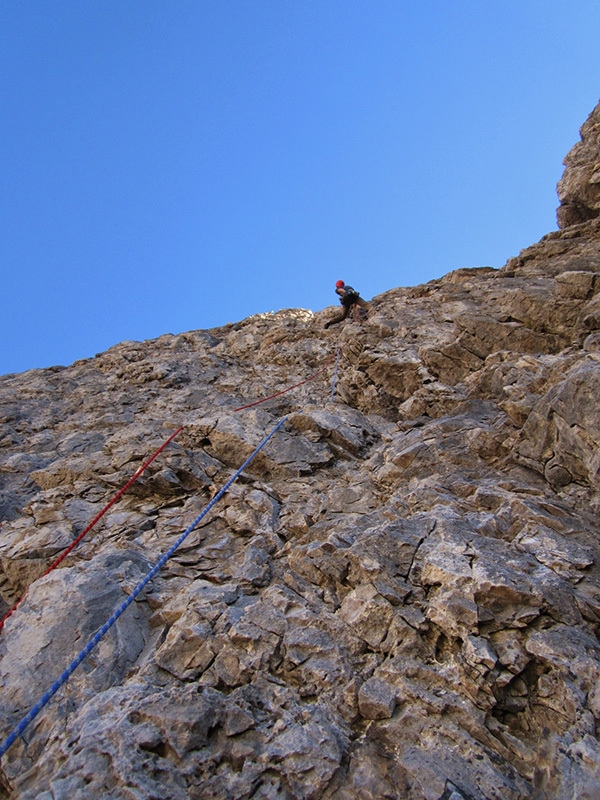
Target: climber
(350,299)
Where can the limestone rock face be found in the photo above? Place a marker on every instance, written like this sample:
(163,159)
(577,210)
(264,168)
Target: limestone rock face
(400,596)
(579,187)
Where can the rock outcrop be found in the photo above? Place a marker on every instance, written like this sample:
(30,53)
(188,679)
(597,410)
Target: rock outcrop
(579,187)
(400,597)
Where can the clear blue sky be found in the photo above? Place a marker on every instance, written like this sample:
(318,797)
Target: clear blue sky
(174,165)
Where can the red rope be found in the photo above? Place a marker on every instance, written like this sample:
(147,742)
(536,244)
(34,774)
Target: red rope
(138,472)
(98,516)
(289,389)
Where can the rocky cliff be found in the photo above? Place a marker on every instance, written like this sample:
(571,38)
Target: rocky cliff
(400,596)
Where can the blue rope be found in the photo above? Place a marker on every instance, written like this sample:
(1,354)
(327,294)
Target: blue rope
(337,359)
(45,699)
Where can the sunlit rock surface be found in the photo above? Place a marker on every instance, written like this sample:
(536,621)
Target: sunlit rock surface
(400,598)
(579,188)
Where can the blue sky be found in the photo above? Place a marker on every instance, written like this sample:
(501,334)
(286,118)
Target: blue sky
(168,166)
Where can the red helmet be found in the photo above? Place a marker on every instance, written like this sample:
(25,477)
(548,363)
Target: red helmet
(339,284)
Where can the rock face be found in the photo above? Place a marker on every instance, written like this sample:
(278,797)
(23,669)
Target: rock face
(579,188)
(400,597)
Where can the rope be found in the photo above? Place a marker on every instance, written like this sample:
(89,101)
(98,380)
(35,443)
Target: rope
(76,541)
(289,389)
(45,699)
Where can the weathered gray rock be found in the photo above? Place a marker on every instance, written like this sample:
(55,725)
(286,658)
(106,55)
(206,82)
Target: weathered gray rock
(376,699)
(400,597)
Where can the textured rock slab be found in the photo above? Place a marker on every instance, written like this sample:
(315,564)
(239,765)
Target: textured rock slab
(400,597)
